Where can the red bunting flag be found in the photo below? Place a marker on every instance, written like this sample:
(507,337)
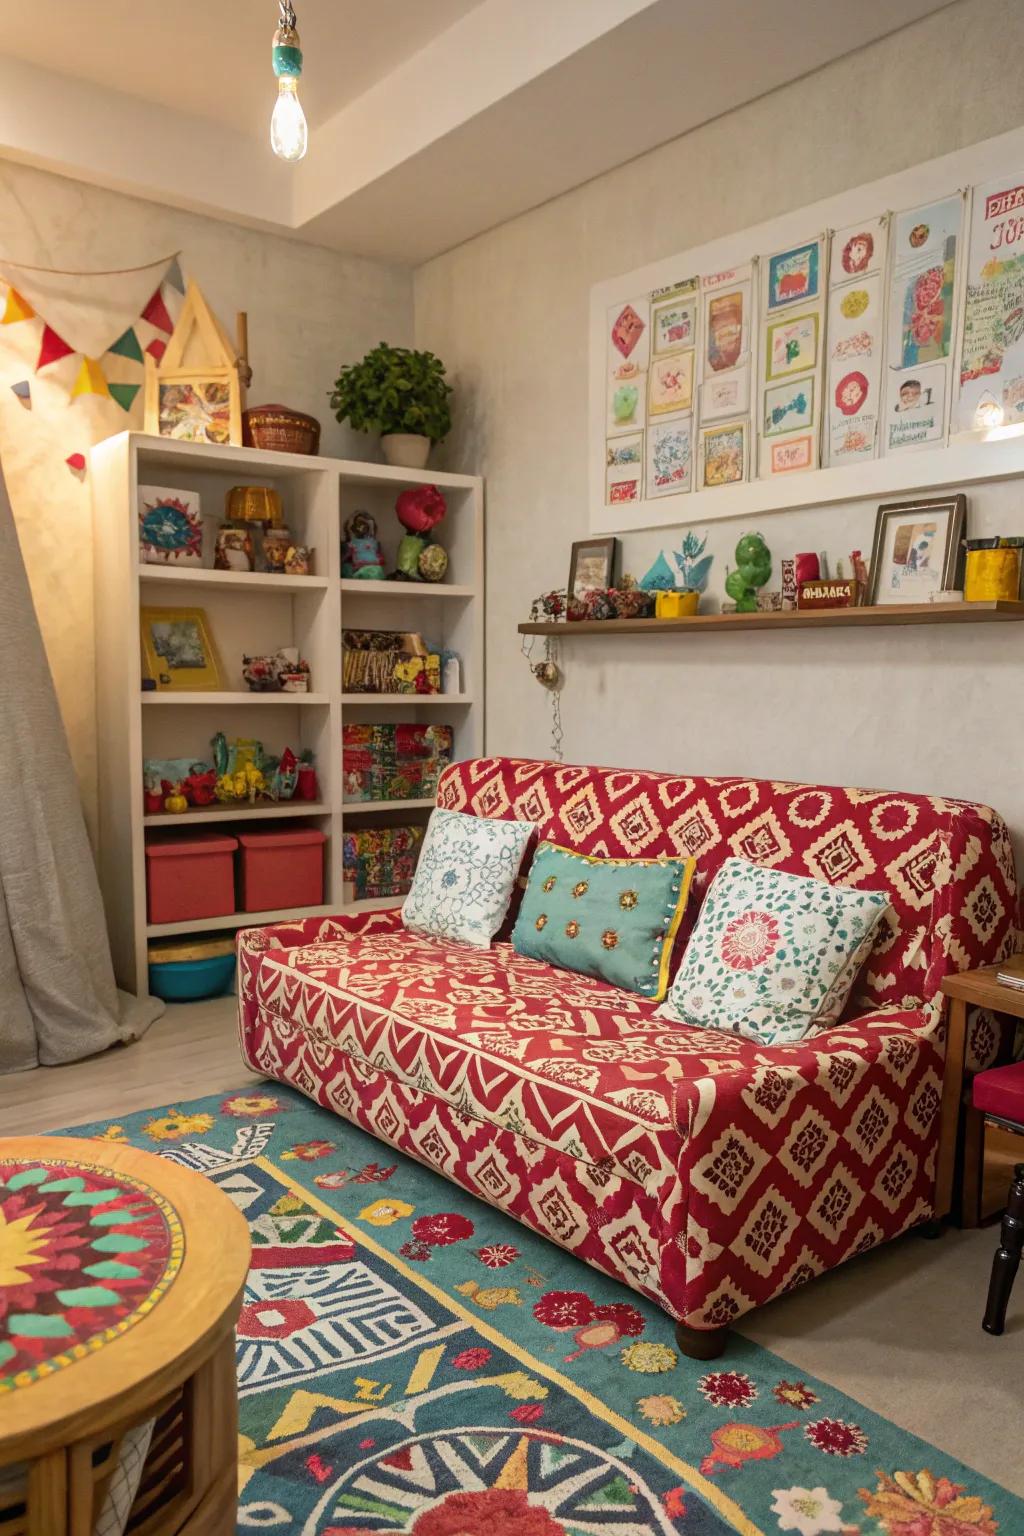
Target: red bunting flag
(52,349)
(157,348)
(156,313)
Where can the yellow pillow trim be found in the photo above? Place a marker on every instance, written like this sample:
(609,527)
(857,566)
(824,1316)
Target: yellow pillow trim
(689,870)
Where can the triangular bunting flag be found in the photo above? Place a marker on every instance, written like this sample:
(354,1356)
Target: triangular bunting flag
(174,277)
(124,394)
(157,348)
(91,379)
(127,346)
(52,349)
(23,390)
(16,308)
(156,313)
(76,463)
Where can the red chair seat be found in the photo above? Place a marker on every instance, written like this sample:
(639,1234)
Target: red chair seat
(1000,1092)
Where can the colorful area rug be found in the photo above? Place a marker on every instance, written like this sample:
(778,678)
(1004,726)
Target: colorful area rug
(412,1362)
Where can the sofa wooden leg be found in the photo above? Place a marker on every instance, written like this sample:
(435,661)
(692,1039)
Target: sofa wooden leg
(1007,1256)
(701,1343)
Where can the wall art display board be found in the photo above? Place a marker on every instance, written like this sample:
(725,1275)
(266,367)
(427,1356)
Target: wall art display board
(855,332)
(791,369)
(860,347)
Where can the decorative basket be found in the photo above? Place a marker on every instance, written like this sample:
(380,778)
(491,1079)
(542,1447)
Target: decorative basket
(280,429)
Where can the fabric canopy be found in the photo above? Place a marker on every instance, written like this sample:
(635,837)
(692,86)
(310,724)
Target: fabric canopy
(58,998)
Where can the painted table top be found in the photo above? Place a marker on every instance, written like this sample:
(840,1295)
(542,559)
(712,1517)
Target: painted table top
(85,1253)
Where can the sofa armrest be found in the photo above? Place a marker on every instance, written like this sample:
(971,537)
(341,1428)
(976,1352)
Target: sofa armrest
(317,930)
(797,1156)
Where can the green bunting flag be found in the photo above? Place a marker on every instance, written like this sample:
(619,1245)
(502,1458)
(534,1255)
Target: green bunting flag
(124,394)
(128,346)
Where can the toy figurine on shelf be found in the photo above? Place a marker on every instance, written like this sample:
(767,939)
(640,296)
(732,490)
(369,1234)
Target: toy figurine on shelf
(200,788)
(362,558)
(176,803)
(419,511)
(306,787)
(284,777)
(753,568)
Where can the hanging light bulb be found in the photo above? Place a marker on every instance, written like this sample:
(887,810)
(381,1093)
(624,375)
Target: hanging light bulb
(288,134)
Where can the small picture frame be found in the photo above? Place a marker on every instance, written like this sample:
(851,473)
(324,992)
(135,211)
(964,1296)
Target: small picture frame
(178,652)
(592,566)
(917,549)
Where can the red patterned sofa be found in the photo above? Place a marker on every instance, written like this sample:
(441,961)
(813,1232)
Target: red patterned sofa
(707,1172)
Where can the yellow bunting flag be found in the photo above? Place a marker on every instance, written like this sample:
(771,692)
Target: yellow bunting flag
(16,308)
(91,379)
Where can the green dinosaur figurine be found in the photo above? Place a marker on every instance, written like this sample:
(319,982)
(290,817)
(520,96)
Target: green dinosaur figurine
(753,569)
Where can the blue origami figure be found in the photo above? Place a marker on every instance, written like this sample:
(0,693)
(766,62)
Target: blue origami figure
(659,578)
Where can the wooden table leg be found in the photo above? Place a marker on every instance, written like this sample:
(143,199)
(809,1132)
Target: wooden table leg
(48,1495)
(949,1113)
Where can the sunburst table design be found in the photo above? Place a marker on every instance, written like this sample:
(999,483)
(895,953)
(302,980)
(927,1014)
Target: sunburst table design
(121,1278)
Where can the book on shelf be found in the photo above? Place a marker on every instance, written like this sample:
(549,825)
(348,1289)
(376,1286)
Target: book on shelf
(1011,973)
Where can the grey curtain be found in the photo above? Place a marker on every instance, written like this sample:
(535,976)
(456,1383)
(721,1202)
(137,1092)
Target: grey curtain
(58,998)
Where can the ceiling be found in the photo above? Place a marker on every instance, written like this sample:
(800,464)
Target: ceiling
(431,120)
(214,61)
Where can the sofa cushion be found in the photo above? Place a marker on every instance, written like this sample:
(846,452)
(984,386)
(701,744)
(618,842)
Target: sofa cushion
(773,955)
(465,876)
(1000,1092)
(612,918)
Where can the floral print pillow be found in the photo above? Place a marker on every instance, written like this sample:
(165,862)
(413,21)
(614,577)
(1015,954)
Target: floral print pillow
(465,877)
(772,956)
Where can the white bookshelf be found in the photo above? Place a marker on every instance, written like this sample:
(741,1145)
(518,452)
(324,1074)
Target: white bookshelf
(258,613)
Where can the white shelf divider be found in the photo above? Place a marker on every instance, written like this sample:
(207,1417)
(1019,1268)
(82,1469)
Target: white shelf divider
(224,700)
(214,814)
(366,807)
(406,589)
(202,576)
(397,700)
(318,495)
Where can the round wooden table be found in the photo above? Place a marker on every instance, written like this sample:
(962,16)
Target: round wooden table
(121,1279)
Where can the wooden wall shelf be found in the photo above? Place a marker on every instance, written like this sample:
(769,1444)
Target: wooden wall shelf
(805,618)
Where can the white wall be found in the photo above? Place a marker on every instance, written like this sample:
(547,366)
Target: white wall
(930,709)
(309,310)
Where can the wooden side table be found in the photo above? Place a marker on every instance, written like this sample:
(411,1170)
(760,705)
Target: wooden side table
(121,1279)
(969,989)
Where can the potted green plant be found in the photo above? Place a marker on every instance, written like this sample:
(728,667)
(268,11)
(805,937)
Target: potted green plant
(399,393)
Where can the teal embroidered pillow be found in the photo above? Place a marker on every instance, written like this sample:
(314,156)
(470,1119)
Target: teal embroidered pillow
(465,876)
(772,956)
(612,918)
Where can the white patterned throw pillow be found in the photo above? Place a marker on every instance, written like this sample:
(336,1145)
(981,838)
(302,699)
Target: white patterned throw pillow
(465,876)
(772,956)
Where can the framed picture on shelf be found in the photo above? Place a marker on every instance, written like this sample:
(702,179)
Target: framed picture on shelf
(178,652)
(592,567)
(916,549)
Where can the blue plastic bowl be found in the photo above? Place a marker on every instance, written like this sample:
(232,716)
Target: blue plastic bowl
(185,981)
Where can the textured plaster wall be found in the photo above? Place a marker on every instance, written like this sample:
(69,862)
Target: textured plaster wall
(936,709)
(309,310)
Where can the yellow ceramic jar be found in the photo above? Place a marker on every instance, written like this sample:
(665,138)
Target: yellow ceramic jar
(992,575)
(676,605)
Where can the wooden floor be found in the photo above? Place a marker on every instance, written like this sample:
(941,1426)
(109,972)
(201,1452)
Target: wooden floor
(192,1050)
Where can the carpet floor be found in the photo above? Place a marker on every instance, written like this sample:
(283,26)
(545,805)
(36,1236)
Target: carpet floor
(412,1361)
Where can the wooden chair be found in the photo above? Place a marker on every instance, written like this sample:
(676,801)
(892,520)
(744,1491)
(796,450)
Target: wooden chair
(999,1095)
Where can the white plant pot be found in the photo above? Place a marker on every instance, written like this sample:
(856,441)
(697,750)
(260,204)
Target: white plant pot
(405,449)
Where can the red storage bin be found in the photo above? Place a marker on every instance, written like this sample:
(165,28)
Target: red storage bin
(190,875)
(282,869)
